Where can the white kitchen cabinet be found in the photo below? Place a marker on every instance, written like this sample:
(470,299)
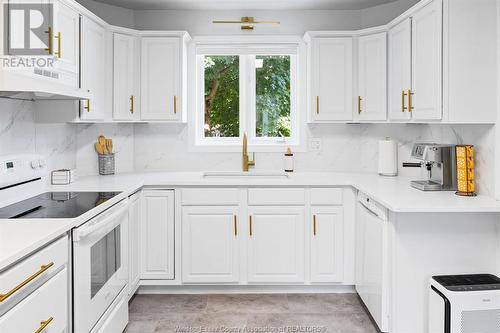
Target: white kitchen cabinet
(134,225)
(372,77)
(162,75)
(330,78)
(46,309)
(275,244)
(399,69)
(426,92)
(415,66)
(66,43)
(210,244)
(126,103)
(93,69)
(327,234)
(157,235)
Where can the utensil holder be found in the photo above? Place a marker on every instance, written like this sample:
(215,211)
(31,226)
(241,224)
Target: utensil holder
(106,164)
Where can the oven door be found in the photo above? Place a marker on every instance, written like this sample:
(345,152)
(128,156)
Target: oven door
(99,264)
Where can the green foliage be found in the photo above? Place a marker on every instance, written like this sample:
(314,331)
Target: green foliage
(222,103)
(222,96)
(273,96)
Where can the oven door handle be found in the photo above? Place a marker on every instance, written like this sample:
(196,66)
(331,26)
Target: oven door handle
(104,224)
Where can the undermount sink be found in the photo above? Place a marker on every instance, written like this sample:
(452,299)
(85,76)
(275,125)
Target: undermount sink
(236,174)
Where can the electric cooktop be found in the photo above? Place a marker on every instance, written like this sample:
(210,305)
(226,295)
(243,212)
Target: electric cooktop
(56,205)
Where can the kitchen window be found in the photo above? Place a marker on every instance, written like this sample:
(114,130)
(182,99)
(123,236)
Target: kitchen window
(247,88)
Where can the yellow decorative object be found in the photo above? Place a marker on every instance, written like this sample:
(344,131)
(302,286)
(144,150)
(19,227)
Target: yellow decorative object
(465,170)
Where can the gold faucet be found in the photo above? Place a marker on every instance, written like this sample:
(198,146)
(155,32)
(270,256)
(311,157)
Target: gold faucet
(246,161)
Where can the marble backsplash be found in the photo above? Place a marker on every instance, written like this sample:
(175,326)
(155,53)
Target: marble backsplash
(164,147)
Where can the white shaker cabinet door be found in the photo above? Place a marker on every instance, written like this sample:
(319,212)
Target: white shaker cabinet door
(66,44)
(125,64)
(372,77)
(134,218)
(160,78)
(157,235)
(276,245)
(327,247)
(399,70)
(331,79)
(427,46)
(93,69)
(210,244)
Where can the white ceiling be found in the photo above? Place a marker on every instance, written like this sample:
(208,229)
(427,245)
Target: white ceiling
(246,4)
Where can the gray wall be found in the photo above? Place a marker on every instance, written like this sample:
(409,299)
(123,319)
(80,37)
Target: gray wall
(293,22)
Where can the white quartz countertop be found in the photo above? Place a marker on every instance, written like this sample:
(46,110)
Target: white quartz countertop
(20,237)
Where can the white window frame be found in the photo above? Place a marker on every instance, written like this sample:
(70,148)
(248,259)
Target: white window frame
(246,47)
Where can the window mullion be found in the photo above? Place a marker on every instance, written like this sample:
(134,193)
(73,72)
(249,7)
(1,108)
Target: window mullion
(251,98)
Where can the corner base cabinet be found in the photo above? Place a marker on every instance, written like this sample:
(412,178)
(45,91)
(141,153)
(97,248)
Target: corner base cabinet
(157,235)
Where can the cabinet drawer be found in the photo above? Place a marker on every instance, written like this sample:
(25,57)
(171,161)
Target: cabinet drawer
(210,196)
(276,196)
(38,267)
(326,196)
(48,304)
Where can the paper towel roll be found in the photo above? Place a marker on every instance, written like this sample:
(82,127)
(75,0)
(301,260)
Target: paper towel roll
(388,157)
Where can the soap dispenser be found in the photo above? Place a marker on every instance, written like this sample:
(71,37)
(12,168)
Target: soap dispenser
(288,160)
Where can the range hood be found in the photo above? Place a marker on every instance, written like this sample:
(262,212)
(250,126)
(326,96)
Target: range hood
(22,87)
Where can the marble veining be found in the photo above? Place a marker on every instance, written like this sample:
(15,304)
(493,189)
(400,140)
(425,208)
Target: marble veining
(164,147)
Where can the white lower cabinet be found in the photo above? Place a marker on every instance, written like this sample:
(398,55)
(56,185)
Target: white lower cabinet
(134,219)
(327,245)
(210,244)
(46,309)
(157,235)
(276,244)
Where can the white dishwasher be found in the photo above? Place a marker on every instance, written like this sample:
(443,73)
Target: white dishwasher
(371,258)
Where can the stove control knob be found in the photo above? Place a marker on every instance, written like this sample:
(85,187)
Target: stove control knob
(41,163)
(34,164)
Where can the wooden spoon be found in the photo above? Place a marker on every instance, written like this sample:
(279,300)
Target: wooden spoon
(102,141)
(109,145)
(98,148)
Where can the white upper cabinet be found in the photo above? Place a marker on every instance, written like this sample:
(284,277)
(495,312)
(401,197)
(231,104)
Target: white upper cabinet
(93,66)
(470,61)
(66,43)
(276,244)
(210,244)
(426,92)
(162,78)
(372,77)
(126,64)
(399,70)
(330,78)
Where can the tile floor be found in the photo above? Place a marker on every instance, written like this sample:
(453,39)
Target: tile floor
(332,313)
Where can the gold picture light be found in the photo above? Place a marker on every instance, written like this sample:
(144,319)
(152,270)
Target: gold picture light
(246,22)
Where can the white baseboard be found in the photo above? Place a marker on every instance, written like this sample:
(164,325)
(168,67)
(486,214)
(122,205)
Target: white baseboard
(246,289)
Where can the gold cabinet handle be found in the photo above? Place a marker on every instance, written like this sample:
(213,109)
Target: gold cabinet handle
(44,324)
(175,104)
(132,104)
(59,43)
(87,106)
(235,225)
(359,104)
(49,32)
(403,107)
(43,268)
(314,225)
(250,224)
(317,104)
(410,106)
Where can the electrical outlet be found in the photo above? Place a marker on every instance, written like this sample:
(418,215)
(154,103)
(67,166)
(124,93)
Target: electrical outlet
(315,144)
